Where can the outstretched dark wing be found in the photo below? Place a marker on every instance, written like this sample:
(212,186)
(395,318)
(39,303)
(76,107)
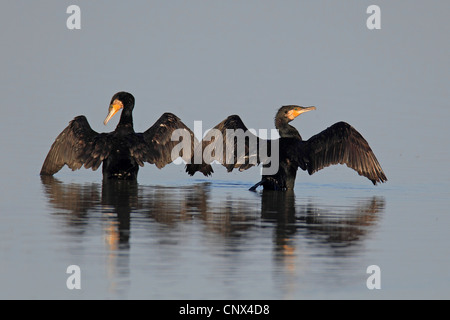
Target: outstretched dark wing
(340,144)
(75,146)
(231,144)
(157,144)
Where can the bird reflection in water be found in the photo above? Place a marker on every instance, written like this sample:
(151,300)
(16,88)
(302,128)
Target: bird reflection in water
(335,231)
(111,204)
(81,204)
(232,221)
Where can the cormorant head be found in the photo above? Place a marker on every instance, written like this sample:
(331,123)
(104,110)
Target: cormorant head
(121,100)
(288,113)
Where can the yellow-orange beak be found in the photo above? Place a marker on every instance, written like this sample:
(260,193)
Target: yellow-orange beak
(113,108)
(295,112)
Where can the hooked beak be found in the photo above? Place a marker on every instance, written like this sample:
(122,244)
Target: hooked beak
(113,108)
(295,112)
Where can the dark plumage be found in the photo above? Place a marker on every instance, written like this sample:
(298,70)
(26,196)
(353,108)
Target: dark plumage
(122,151)
(338,144)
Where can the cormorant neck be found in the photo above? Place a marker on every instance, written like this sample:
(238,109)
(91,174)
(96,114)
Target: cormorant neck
(285,130)
(126,120)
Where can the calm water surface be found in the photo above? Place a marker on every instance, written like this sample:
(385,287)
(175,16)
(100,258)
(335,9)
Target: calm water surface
(204,241)
(214,239)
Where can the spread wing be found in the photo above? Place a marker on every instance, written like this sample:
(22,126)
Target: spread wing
(75,146)
(340,144)
(231,144)
(168,135)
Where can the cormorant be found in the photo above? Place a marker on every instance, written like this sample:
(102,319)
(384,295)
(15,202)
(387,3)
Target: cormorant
(121,151)
(338,144)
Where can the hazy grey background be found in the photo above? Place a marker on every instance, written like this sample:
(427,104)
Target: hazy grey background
(205,60)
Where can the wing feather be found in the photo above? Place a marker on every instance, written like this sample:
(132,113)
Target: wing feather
(231,153)
(156,144)
(340,144)
(75,146)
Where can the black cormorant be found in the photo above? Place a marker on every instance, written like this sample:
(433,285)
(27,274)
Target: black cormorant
(121,151)
(338,144)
